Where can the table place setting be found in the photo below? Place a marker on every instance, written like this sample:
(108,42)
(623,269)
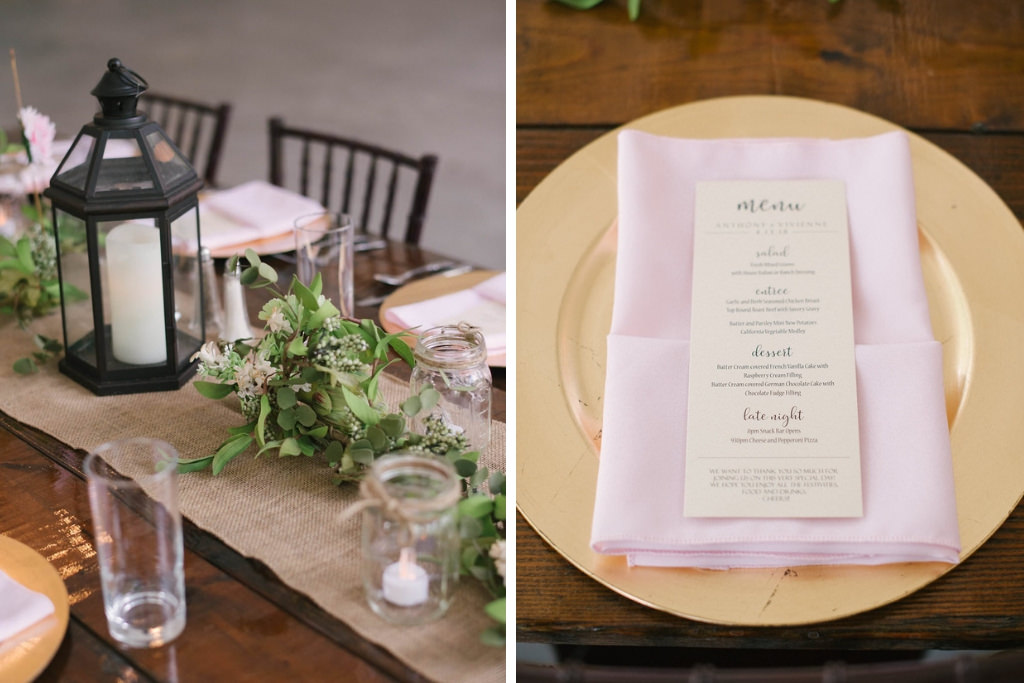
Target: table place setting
(477,298)
(762,334)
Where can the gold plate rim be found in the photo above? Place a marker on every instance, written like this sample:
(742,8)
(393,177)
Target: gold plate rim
(567,216)
(23,564)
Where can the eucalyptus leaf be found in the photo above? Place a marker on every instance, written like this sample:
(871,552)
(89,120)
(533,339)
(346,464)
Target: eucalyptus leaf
(469,528)
(306,446)
(248,276)
(285,398)
(465,468)
(393,425)
(376,436)
(228,450)
(213,389)
(359,407)
(305,415)
(363,456)
(496,483)
(429,396)
(479,477)
(333,452)
(297,347)
(195,464)
(289,447)
(261,421)
(477,505)
(403,350)
(252,257)
(412,406)
(306,297)
(25,366)
(267,272)
(493,636)
(286,419)
(496,610)
(499,506)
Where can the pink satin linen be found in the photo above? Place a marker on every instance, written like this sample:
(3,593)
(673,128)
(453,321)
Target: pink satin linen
(909,499)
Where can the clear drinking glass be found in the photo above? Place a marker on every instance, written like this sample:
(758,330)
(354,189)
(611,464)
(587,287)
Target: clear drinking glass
(410,546)
(324,243)
(133,494)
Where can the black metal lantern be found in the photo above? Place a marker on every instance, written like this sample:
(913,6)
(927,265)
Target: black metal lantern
(126,220)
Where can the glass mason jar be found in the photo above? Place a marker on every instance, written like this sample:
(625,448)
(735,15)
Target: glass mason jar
(453,360)
(410,540)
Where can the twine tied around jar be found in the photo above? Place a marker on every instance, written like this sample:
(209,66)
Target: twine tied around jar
(374,492)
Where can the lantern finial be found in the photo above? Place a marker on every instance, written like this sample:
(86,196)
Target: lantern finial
(118,92)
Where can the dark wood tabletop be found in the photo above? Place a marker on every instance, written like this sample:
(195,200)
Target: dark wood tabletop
(949,71)
(247,625)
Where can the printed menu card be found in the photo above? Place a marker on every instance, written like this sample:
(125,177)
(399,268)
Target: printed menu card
(772,424)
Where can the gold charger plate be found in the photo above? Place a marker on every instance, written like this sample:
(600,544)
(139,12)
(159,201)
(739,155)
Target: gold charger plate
(26,658)
(430,288)
(972,250)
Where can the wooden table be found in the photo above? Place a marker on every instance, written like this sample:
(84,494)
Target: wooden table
(247,625)
(951,72)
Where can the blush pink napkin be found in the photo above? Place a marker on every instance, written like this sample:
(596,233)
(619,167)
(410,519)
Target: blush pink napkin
(909,501)
(482,305)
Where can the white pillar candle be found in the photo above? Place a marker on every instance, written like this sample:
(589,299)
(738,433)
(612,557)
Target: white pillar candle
(136,294)
(406,583)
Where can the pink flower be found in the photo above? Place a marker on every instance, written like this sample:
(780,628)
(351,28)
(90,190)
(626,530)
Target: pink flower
(40,132)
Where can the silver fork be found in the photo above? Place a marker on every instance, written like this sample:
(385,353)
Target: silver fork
(402,278)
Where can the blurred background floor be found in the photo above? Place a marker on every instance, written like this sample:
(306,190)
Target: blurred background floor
(421,77)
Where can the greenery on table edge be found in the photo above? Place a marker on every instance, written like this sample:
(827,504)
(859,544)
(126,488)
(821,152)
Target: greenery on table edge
(310,387)
(29,286)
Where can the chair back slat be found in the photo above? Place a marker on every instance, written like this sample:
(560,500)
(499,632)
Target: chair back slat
(197,134)
(325,192)
(295,163)
(350,170)
(389,201)
(370,185)
(304,183)
(202,143)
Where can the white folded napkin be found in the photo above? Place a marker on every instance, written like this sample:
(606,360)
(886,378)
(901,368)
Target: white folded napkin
(908,495)
(482,306)
(251,211)
(20,607)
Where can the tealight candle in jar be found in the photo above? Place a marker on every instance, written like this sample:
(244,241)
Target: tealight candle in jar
(406,583)
(410,540)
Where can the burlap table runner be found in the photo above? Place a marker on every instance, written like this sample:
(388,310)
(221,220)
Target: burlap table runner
(277,510)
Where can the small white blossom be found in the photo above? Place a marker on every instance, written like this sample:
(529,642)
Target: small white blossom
(497,553)
(303,387)
(211,358)
(253,375)
(278,323)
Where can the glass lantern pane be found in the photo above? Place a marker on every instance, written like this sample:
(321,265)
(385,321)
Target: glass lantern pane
(122,167)
(133,292)
(188,285)
(170,166)
(74,170)
(77,289)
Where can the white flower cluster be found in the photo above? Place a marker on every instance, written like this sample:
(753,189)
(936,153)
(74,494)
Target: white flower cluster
(253,375)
